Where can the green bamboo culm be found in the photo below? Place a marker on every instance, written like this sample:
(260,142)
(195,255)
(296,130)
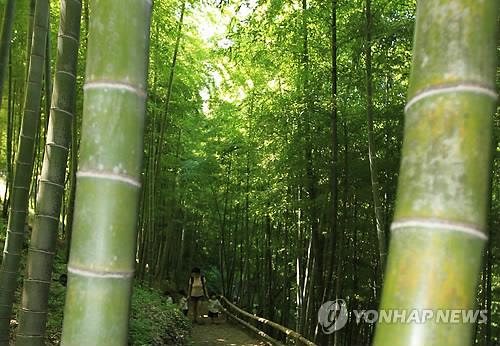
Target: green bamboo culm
(33,313)
(23,171)
(439,228)
(5,38)
(102,259)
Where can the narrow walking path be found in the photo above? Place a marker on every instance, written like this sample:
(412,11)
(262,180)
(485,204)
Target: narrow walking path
(223,334)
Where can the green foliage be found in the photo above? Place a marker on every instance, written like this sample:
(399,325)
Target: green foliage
(232,190)
(56,302)
(214,281)
(153,320)
(231,193)
(156,322)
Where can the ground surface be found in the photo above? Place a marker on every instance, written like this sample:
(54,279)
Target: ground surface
(223,333)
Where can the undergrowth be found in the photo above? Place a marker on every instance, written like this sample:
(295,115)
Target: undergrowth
(156,322)
(153,321)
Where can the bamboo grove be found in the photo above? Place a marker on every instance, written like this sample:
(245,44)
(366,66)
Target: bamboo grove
(291,149)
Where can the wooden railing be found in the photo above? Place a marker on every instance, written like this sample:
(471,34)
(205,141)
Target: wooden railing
(231,310)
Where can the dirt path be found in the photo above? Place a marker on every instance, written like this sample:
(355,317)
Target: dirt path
(223,334)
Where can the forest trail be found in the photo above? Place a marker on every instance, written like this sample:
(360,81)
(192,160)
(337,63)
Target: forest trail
(223,334)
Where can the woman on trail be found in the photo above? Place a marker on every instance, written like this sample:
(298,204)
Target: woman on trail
(197,290)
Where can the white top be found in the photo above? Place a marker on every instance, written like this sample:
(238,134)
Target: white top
(214,305)
(183,303)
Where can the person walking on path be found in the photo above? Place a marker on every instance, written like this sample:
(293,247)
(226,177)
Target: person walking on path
(197,291)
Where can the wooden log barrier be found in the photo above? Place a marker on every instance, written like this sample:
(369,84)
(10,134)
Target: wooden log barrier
(257,331)
(288,332)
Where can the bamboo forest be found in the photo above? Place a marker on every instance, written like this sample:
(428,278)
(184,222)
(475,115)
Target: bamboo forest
(250,172)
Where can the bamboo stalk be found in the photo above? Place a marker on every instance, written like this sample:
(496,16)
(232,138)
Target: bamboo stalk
(439,227)
(102,259)
(23,171)
(33,314)
(8,22)
(372,152)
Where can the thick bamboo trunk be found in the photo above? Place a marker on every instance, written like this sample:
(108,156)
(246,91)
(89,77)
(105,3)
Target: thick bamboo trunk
(33,313)
(102,260)
(29,33)
(23,172)
(75,144)
(44,119)
(439,227)
(48,82)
